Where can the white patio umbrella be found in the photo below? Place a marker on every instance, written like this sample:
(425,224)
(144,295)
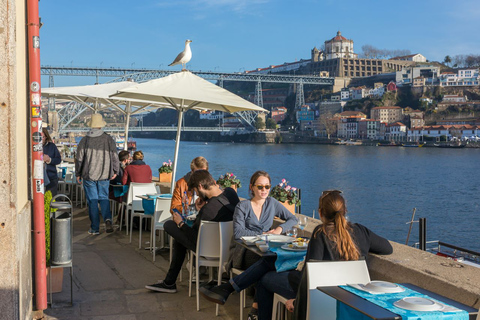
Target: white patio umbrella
(99,96)
(184,91)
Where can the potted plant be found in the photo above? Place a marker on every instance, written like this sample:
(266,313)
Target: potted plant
(229,180)
(286,194)
(165,172)
(56,273)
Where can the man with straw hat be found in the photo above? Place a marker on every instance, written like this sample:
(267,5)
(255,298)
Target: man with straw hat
(96,163)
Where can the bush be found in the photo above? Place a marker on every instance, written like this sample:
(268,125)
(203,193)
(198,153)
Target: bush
(47,199)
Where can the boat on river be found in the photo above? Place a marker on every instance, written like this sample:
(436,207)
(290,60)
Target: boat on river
(120,142)
(451,145)
(349,142)
(391,144)
(414,145)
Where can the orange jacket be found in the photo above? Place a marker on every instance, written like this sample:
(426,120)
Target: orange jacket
(180,187)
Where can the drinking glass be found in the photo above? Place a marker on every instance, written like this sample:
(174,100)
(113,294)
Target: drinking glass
(292,232)
(302,223)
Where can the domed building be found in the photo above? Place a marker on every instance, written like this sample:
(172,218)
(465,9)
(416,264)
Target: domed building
(339,47)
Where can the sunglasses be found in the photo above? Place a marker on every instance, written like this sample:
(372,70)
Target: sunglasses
(260,187)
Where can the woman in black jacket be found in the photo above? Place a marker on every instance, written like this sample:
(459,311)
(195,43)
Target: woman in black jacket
(52,158)
(335,239)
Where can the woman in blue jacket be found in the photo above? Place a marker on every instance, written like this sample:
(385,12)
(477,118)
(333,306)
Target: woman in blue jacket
(52,158)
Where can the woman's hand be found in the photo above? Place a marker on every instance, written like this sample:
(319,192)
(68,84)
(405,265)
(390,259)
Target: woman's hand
(277,230)
(199,203)
(47,159)
(289,305)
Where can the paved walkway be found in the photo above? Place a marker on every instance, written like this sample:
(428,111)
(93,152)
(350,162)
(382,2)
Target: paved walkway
(109,279)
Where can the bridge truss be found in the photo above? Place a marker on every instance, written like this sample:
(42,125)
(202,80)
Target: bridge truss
(142,75)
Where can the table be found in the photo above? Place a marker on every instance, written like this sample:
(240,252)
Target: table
(255,250)
(375,312)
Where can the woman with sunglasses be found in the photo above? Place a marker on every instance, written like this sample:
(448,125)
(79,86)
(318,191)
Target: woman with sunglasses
(254,217)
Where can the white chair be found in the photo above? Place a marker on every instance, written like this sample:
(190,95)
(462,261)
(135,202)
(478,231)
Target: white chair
(276,308)
(162,214)
(126,206)
(213,243)
(226,235)
(331,273)
(136,206)
(326,273)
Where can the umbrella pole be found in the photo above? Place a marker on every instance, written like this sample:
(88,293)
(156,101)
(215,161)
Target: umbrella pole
(177,146)
(127,124)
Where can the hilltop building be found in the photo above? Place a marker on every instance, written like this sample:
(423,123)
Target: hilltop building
(417,57)
(413,75)
(462,77)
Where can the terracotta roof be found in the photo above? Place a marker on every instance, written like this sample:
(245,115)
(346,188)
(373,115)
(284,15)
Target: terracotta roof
(396,124)
(351,113)
(339,37)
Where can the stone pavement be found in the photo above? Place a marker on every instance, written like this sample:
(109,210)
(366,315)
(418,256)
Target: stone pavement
(109,279)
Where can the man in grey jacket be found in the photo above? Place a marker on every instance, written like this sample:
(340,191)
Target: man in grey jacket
(96,163)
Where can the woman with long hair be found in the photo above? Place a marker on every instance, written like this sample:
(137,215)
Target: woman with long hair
(336,239)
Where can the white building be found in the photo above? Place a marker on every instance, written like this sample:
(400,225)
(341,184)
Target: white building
(454,98)
(417,57)
(462,132)
(396,131)
(345,94)
(407,74)
(339,47)
(462,77)
(358,93)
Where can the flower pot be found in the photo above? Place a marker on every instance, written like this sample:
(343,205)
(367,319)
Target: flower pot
(165,177)
(57,280)
(290,207)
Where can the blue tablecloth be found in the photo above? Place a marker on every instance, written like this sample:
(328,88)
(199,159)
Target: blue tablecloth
(386,301)
(287,260)
(119,191)
(149,204)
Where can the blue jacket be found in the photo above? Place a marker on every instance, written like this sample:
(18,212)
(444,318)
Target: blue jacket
(51,150)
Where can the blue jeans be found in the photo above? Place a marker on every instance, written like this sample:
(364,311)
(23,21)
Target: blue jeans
(97,193)
(253,274)
(272,282)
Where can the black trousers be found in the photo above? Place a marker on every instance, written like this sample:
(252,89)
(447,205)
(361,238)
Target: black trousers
(183,240)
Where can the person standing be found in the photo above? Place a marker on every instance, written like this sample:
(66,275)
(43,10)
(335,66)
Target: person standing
(52,158)
(96,163)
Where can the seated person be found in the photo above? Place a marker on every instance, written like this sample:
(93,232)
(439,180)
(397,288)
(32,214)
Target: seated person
(334,240)
(254,217)
(123,157)
(199,163)
(137,170)
(213,205)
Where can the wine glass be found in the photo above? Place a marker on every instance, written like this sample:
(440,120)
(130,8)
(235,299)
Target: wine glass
(302,223)
(292,232)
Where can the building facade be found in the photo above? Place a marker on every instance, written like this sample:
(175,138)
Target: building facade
(462,77)
(387,114)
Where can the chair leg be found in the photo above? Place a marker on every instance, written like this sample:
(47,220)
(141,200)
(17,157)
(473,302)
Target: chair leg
(140,234)
(152,239)
(122,212)
(197,282)
(190,278)
(131,225)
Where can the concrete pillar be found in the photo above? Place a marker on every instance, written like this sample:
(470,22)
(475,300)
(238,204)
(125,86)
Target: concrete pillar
(15,216)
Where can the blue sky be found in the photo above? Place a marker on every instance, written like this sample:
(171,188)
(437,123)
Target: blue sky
(238,35)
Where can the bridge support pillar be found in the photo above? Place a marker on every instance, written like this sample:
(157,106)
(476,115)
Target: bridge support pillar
(300,100)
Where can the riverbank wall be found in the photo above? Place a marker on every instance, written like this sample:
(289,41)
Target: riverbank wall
(268,136)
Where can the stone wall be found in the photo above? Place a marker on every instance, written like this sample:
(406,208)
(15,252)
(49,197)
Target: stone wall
(15,216)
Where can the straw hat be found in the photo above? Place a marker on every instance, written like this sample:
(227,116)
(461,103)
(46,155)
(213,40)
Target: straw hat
(96,121)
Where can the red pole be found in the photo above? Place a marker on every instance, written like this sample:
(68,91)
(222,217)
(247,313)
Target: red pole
(35,110)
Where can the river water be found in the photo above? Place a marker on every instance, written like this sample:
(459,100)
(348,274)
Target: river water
(382,185)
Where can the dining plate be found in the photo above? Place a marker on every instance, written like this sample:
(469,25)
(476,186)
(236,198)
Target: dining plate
(276,238)
(383,287)
(291,247)
(418,304)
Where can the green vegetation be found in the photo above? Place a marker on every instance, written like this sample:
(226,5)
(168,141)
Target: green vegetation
(47,199)
(271,124)
(259,123)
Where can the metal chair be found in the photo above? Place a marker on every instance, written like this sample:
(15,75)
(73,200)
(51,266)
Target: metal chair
(135,205)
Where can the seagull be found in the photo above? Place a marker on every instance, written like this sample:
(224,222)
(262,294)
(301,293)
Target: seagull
(183,57)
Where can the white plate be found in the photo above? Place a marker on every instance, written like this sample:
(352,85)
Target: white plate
(418,304)
(293,248)
(276,238)
(383,287)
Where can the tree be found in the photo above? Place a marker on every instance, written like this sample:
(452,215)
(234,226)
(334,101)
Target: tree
(447,60)
(328,124)
(271,124)
(259,123)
